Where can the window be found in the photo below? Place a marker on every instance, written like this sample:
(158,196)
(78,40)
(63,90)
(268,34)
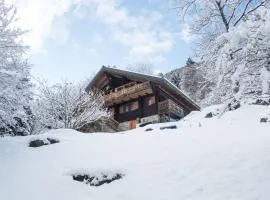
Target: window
(129,107)
(151,100)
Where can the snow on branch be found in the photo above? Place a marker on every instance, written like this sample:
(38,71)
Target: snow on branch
(66,105)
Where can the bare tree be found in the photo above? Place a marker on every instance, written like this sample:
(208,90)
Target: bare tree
(66,105)
(215,16)
(88,108)
(208,19)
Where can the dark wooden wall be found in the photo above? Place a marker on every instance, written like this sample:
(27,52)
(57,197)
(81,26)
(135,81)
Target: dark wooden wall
(144,109)
(127,116)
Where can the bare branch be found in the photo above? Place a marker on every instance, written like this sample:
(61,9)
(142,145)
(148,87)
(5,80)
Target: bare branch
(221,11)
(233,11)
(243,14)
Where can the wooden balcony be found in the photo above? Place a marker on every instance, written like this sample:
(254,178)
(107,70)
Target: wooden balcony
(128,92)
(169,107)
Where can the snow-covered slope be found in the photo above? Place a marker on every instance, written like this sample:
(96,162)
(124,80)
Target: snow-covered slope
(224,157)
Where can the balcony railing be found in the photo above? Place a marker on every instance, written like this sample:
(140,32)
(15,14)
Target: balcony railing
(128,92)
(169,107)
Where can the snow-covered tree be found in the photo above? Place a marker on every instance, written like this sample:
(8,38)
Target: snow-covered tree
(15,86)
(213,17)
(188,78)
(240,67)
(66,105)
(233,43)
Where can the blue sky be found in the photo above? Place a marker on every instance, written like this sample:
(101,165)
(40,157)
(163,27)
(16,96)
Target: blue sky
(72,39)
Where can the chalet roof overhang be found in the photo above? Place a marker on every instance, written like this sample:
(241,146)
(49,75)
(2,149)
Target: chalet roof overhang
(135,76)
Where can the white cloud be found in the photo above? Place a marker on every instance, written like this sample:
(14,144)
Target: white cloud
(110,14)
(75,45)
(97,37)
(59,30)
(186,34)
(92,51)
(142,34)
(78,46)
(38,17)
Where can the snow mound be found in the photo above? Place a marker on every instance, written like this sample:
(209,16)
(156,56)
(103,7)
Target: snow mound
(225,157)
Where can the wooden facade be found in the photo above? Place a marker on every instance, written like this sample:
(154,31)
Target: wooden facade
(137,98)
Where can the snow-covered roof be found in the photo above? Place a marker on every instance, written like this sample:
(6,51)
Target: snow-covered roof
(143,77)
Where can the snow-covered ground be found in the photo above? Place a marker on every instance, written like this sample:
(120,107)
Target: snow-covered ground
(221,158)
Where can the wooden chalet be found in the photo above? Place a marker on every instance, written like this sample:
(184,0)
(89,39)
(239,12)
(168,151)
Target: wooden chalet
(136,98)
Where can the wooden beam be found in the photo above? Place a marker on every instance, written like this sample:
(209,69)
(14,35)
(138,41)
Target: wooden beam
(141,103)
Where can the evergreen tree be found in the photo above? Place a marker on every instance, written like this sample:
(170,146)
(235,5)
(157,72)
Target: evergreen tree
(190,61)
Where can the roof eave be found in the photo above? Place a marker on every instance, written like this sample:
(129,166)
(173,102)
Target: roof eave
(171,85)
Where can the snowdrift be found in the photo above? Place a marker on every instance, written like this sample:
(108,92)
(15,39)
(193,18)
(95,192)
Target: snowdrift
(225,157)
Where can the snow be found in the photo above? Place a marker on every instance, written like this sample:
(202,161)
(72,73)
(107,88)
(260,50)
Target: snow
(221,158)
(233,63)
